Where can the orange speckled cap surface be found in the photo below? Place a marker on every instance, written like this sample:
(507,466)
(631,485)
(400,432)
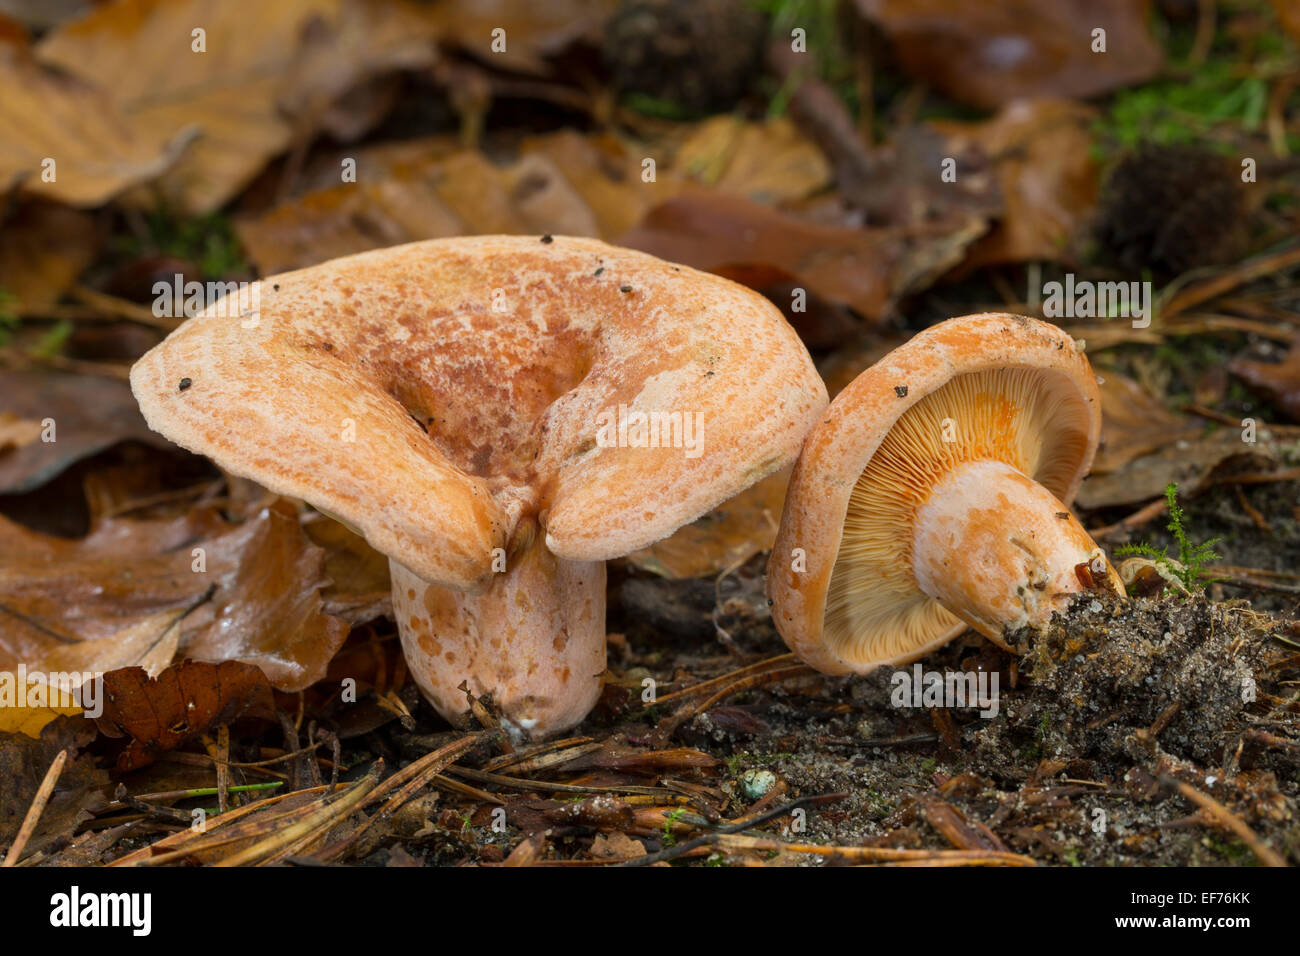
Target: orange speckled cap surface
(443,395)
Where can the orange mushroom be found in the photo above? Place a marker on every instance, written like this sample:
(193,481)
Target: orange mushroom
(499,415)
(934,496)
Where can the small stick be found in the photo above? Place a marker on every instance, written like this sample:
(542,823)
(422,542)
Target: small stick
(749,683)
(707,685)
(36,809)
(1138,518)
(731,828)
(1214,416)
(1260,521)
(1225,818)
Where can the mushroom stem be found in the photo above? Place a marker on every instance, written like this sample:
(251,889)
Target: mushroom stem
(534,640)
(1000,551)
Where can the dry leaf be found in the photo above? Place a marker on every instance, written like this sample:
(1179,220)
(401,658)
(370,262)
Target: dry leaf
(1048,180)
(533,31)
(262,62)
(23,764)
(460,194)
(607,173)
(1188,463)
(1288,15)
(44,247)
(360,589)
(768,161)
(96,151)
(1134,423)
(616,846)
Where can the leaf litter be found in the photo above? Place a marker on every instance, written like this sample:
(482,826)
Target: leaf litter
(254,673)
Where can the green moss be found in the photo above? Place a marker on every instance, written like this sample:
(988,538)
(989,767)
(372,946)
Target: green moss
(1192,558)
(1186,109)
(828,55)
(52,342)
(207,241)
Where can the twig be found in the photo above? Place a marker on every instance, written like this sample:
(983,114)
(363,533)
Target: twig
(707,685)
(34,812)
(1138,518)
(735,827)
(1225,818)
(316,824)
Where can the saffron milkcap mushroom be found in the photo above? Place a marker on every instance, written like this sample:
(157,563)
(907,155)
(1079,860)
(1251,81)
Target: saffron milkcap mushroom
(500,416)
(934,495)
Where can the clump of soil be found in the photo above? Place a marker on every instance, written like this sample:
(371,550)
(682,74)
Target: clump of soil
(1115,677)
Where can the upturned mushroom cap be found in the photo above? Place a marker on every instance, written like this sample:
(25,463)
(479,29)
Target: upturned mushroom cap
(444,396)
(982,398)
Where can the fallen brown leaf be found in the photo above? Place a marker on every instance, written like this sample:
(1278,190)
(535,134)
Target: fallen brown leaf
(254,588)
(1133,423)
(988,54)
(1279,382)
(88,415)
(726,537)
(23,763)
(533,31)
(44,247)
(1041,154)
(714,232)
(1190,463)
(162,713)
(262,61)
(96,151)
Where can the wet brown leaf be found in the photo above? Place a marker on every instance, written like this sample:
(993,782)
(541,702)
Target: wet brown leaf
(162,713)
(268,610)
(988,54)
(715,232)
(265,578)
(150,644)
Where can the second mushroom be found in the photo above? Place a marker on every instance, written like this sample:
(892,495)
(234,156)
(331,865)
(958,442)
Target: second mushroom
(934,495)
(498,415)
